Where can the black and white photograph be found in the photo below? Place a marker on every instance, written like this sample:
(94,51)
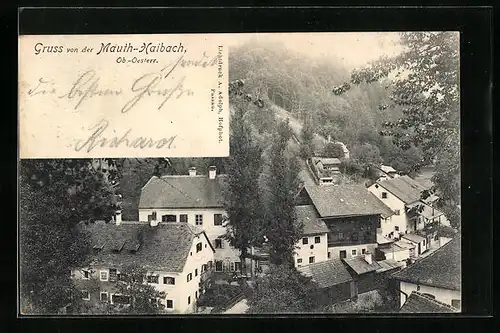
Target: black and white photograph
(340,194)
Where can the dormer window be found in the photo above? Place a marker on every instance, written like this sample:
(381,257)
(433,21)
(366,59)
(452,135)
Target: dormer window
(118,246)
(98,247)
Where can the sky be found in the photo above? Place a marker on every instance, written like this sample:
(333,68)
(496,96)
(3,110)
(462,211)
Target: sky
(353,49)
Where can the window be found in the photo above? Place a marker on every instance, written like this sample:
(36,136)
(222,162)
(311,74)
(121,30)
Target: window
(418,288)
(170,304)
(237,266)
(103,297)
(168,280)
(169,218)
(218,266)
(189,300)
(343,254)
(195,295)
(113,275)
(363,251)
(329,255)
(218,243)
(85,295)
(217,219)
(311,260)
(396,228)
(189,277)
(203,268)
(120,299)
(85,274)
(199,247)
(299,261)
(104,275)
(152,278)
(311,247)
(397,212)
(183,218)
(210,264)
(317,239)
(354,252)
(455,303)
(198,218)
(305,240)
(196,272)
(341,235)
(423,242)
(232,267)
(384,195)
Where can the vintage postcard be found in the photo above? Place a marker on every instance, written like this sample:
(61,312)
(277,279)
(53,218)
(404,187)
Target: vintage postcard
(265,173)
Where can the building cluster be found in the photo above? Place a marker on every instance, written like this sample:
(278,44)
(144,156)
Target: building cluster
(355,239)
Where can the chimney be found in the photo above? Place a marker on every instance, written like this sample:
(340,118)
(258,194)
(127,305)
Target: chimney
(212,172)
(118,217)
(192,171)
(368,257)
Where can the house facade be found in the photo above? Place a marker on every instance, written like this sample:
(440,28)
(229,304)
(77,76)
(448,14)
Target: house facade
(438,276)
(403,196)
(351,214)
(178,257)
(313,246)
(193,199)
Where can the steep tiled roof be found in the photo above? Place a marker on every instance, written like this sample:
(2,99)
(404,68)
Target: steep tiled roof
(182,192)
(308,216)
(420,303)
(405,188)
(441,269)
(327,273)
(164,247)
(346,200)
(361,266)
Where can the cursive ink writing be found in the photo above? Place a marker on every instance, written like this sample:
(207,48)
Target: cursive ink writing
(43,87)
(96,139)
(86,87)
(147,85)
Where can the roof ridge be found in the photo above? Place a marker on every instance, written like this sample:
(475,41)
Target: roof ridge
(439,250)
(433,300)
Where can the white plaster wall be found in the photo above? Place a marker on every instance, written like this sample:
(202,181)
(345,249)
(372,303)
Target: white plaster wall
(393,203)
(441,294)
(398,255)
(335,251)
(304,251)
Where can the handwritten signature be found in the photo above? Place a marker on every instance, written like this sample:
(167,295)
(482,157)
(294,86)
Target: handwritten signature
(97,139)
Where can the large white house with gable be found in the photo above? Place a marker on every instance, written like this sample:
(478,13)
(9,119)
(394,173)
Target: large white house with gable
(193,199)
(178,258)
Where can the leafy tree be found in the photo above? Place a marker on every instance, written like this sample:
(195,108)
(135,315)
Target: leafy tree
(367,155)
(332,149)
(242,195)
(54,195)
(283,230)
(426,89)
(306,140)
(283,290)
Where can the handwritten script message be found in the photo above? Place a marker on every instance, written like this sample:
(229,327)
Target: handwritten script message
(123,96)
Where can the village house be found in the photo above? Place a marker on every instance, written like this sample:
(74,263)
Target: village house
(438,276)
(399,251)
(196,200)
(327,170)
(403,195)
(333,279)
(178,258)
(351,214)
(385,172)
(313,246)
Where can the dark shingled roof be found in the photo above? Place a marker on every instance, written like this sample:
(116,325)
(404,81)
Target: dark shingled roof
(441,269)
(182,192)
(346,200)
(405,188)
(420,303)
(309,217)
(164,247)
(361,266)
(326,273)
